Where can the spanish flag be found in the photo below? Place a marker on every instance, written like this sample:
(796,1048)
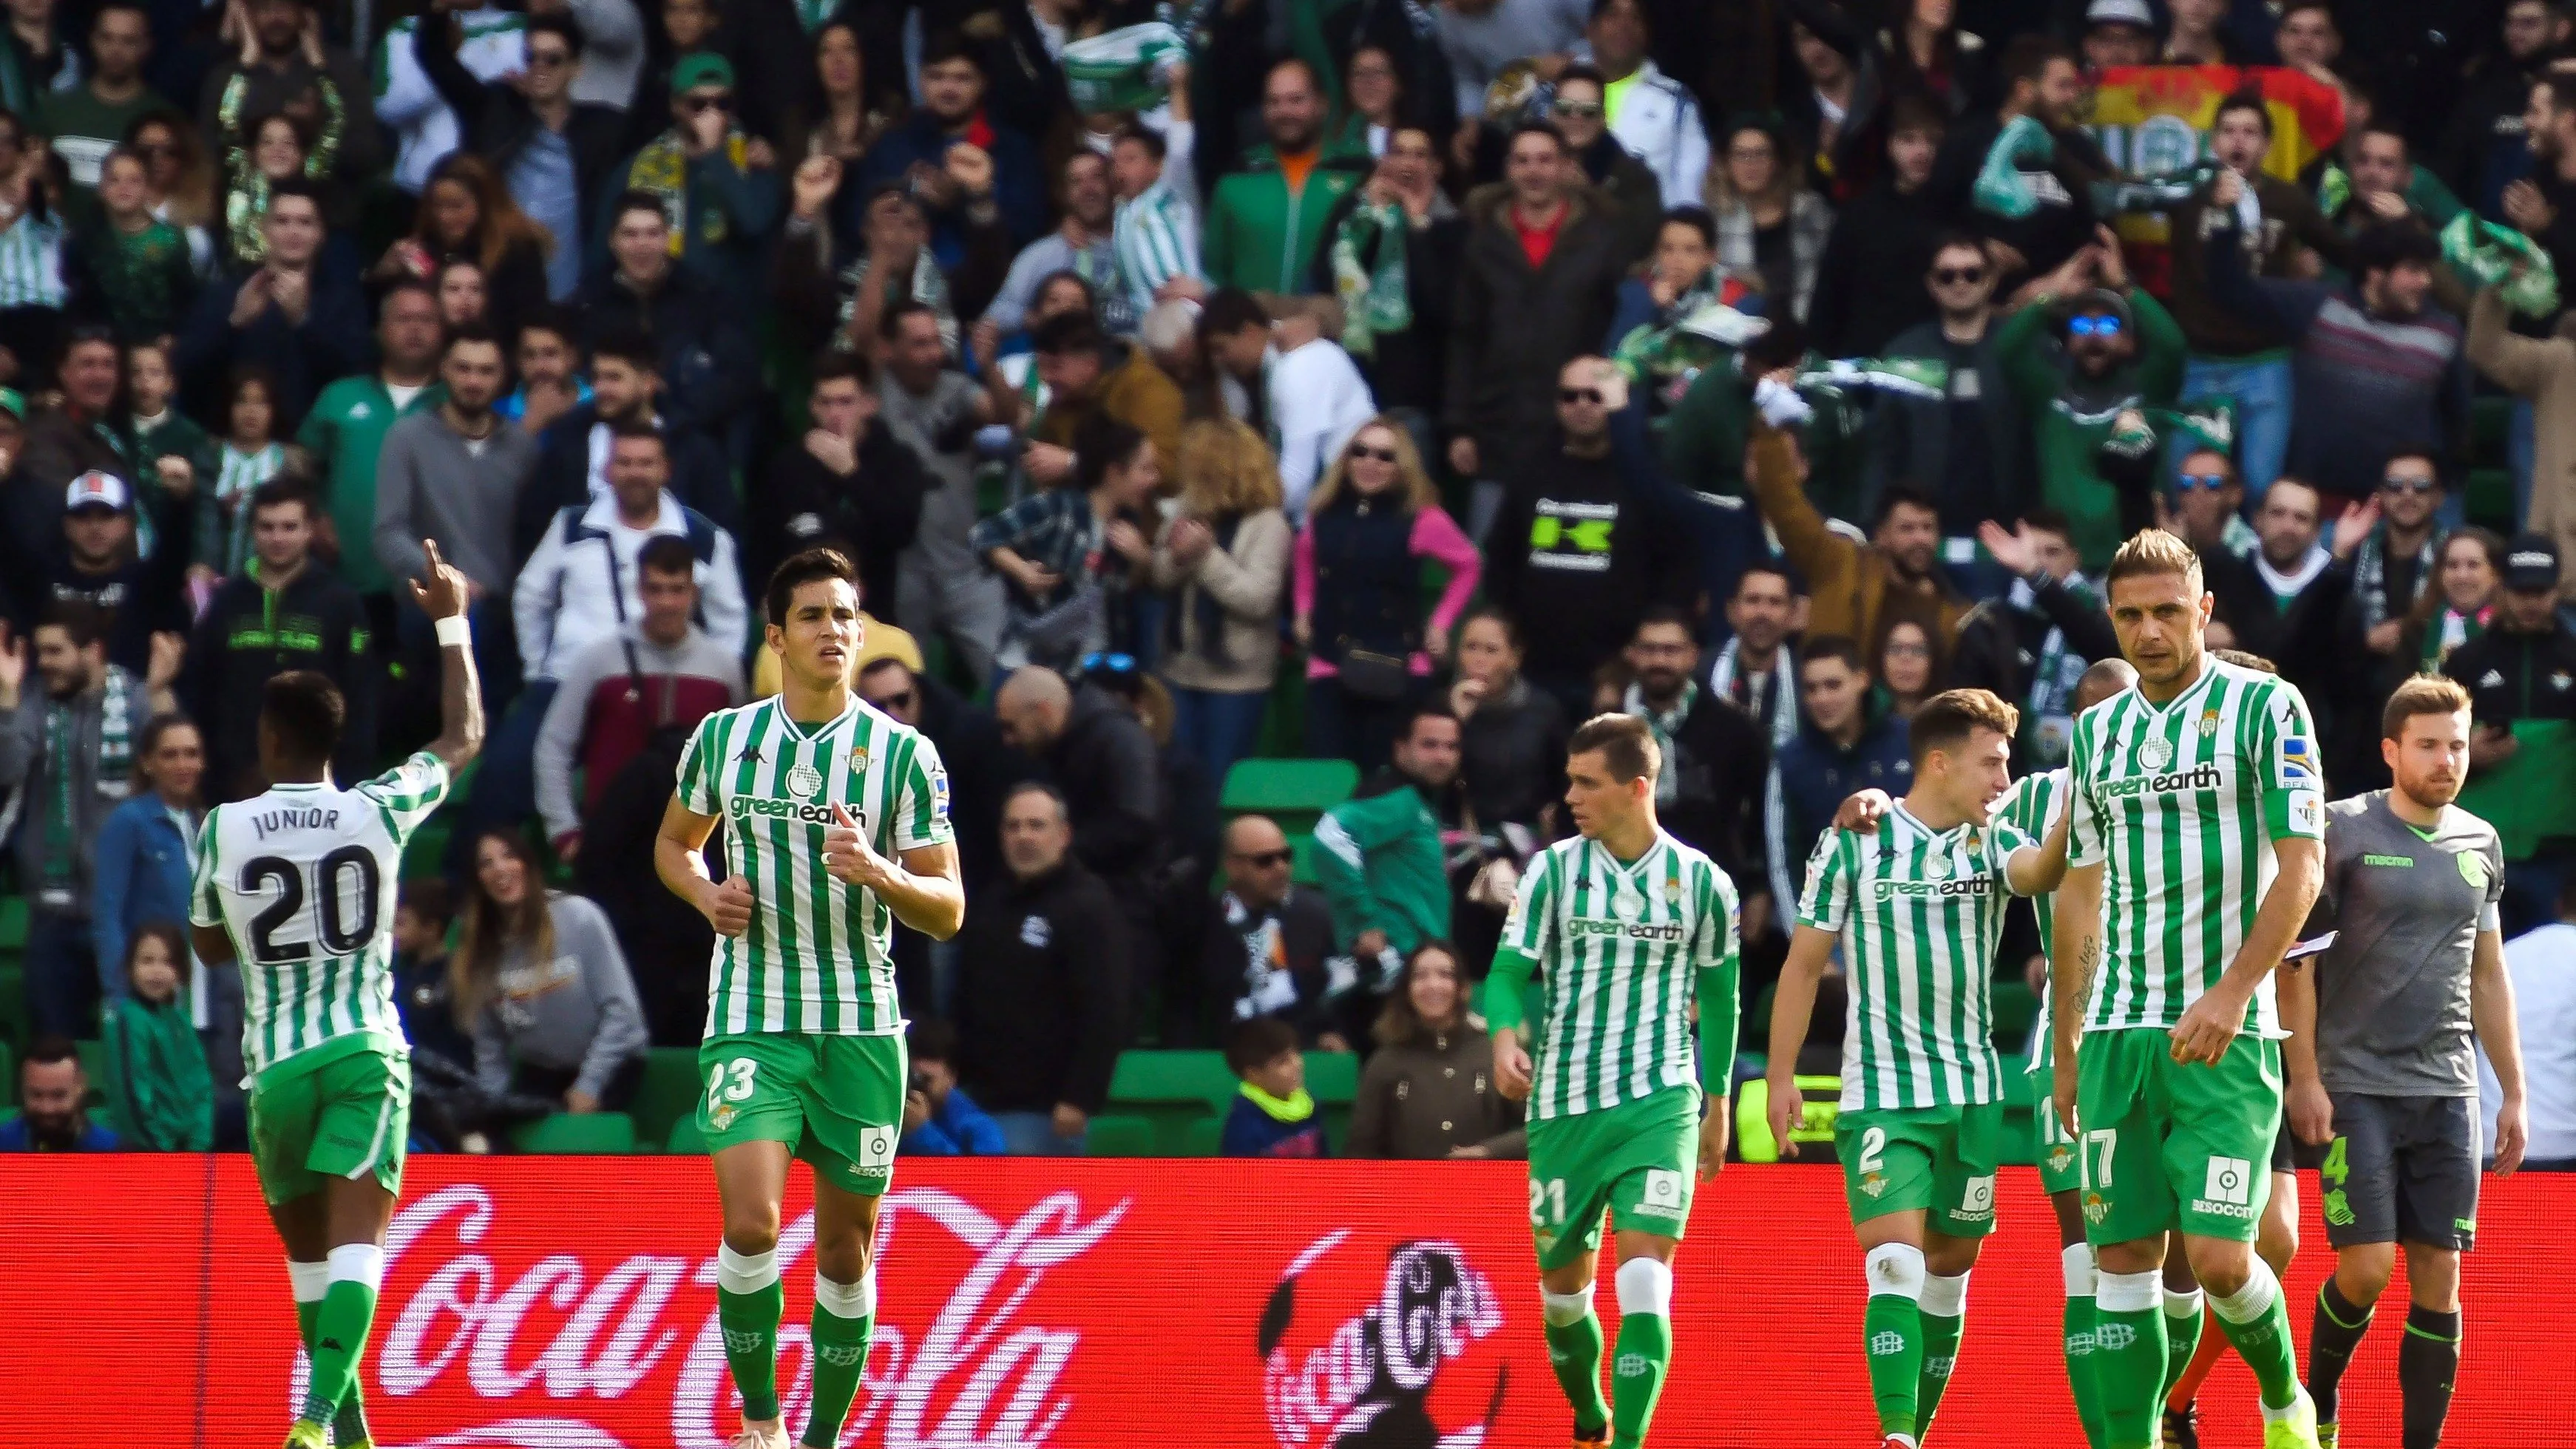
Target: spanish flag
(2154,120)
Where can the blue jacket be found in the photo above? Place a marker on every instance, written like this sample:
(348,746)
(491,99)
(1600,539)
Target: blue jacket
(93,1138)
(958,1128)
(1019,184)
(141,877)
(1811,776)
(1252,1130)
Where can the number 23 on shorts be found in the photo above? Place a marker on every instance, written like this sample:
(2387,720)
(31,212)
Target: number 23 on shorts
(729,1085)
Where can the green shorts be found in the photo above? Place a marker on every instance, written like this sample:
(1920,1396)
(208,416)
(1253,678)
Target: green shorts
(836,1101)
(344,1113)
(1937,1160)
(2060,1168)
(2169,1146)
(1636,1161)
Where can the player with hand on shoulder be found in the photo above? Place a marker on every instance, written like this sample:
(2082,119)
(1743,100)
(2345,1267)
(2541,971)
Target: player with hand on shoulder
(297,884)
(1916,901)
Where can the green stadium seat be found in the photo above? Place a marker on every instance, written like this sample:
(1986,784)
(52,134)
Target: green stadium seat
(13,924)
(2490,423)
(1114,1135)
(588,1134)
(1171,1089)
(1301,859)
(1333,1078)
(685,1139)
(2488,498)
(1293,792)
(668,1093)
(2016,1007)
(1203,1138)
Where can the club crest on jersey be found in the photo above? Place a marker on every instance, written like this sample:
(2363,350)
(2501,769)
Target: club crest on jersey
(1672,890)
(721,1115)
(2096,1209)
(2060,1157)
(1936,867)
(805,780)
(2473,869)
(2209,722)
(858,759)
(1873,1184)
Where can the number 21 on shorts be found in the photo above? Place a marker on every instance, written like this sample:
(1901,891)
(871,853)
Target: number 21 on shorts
(1547,1201)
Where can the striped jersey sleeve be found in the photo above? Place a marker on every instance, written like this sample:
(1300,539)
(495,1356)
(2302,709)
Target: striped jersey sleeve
(408,793)
(205,903)
(2003,840)
(2282,744)
(921,799)
(698,759)
(1721,914)
(1530,928)
(1825,903)
(2087,843)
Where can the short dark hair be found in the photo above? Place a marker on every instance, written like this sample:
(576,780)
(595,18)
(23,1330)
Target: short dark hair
(930,1040)
(1833,646)
(946,46)
(811,566)
(2418,451)
(546,317)
(293,186)
(890,321)
(1063,807)
(1533,126)
(407,286)
(2377,126)
(1664,616)
(2562,88)
(632,199)
(2049,520)
(1602,7)
(1257,1043)
(629,345)
(2029,57)
(1948,719)
(428,897)
(1500,617)
(1776,568)
(1902,493)
(475,332)
(83,623)
(280,491)
(838,366)
(666,553)
(1296,62)
(1912,111)
(1066,332)
(1100,444)
(1697,218)
(1626,746)
(2252,99)
(1153,142)
(50,1051)
(561,25)
(137,6)
(636,430)
(1583,72)
(1229,310)
(1428,707)
(305,711)
(2389,245)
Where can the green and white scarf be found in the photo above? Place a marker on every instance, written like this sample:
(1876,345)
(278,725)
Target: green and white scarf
(1374,293)
(2370,574)
(2503,258)
(1663,724)
(1127,69)
(2048,724)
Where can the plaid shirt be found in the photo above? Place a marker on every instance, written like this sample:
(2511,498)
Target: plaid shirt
(1054,530)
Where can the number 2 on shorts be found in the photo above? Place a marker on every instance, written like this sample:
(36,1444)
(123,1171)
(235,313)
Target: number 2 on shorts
(1547,1200)
(738,1089)
(1873,1149)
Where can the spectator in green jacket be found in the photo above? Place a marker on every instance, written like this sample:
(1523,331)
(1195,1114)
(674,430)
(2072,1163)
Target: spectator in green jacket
(157,1067)
(1380,860)
(347,427)
(2090,346)
(1265,224)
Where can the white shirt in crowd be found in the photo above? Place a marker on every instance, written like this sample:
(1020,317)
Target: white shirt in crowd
(2542,965)
(1317,399)
(563,602)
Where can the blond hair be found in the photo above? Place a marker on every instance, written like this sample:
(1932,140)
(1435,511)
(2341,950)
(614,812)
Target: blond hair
(2421,694)
(1224,468)
(1947,719)
(1413,484)
(2155,552)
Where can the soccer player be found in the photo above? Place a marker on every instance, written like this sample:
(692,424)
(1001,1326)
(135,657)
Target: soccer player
(2382,1062)
(297,884)
(836,827)
(1626,923)
(1917,905)
(2195,850)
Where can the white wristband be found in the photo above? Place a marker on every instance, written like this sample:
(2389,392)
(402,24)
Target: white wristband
(454,632)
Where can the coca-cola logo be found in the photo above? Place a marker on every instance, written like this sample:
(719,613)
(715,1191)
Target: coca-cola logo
(1368,1384)
(976,1371)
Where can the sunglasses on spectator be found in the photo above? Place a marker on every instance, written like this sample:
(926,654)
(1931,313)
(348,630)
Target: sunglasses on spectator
(1957,276)
(1264,859)
(697,105)
(2093,327)
(1579,110)
(2211,481)
(900,699)
(1098,662)
(1374,455)
(2409,485)
(1572,395)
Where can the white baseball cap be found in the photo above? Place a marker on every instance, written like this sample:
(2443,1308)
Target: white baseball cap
(95,489)
(2120,12)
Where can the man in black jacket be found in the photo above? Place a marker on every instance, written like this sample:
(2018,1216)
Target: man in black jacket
(847,483)
(1536,289)
(1968,445)
(530,130)
(1576,554)
(701,341)
(2042,83)
(1041,1004)
(1259,947)
(1094,750)
(2524,668)
(93,562)
(1716,761)
(2032,645)
(1865,282)
(572,454)
(277,615)
(2286,603)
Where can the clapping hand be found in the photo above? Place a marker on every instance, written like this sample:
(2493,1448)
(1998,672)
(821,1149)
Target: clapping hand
(1189,541)
(2354,525)
(815,181)
(168,652)
(2526,208)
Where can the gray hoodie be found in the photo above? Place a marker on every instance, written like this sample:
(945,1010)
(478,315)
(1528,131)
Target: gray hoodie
(431,482)
(576,1012)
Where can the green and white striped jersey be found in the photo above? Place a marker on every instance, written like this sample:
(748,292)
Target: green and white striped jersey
(815,958)
(2180,804)
(1621,947)
(2031,805)
(303,879)
(1920,912)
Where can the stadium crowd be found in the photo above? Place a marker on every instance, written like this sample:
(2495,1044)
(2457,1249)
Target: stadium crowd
(1201,386)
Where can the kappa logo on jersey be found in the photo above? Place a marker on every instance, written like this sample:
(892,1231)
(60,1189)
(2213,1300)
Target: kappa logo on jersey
(2228,1190)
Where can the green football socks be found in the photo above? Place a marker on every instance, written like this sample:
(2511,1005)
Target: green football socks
(1574,1352)
(749,1303)
(1944,1310)
(1637,1375)
(2183,1320)
(340,1325)
(844,1318)
(2129,1357)
(312,1281)
(2257,1321)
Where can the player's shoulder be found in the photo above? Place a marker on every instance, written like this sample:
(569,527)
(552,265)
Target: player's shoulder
(2260,689)
(2354,807)
(2471,827)
(896,736)
(1688,859)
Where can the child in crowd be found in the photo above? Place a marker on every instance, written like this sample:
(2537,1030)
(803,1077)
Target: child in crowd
(249,456)
(1274,1117)
(156,1067)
